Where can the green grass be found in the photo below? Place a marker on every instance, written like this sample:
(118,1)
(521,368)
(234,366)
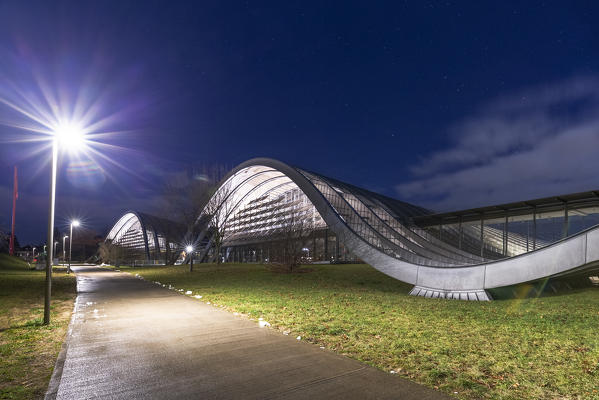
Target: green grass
(541,348)
(28,349)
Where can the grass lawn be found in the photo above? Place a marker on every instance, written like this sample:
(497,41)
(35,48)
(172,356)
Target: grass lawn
(541,348)
(28,349)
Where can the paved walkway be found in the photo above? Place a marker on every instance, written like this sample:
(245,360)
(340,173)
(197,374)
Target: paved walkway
(130,339)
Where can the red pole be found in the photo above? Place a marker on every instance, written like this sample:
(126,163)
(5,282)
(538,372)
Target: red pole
(15,195)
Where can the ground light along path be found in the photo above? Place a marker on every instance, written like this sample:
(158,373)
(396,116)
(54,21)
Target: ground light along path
(520,348)
(131,339)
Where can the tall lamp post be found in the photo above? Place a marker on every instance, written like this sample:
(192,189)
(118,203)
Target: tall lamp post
(67,136)
(52,200)
(73,223)
(64,249)
(189,250)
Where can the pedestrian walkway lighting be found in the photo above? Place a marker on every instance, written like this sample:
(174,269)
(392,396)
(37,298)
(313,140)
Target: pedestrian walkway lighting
(64,249)
(189,250)
(74,223)
(68,136)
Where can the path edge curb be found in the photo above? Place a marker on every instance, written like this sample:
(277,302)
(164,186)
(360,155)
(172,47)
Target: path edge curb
(56,377)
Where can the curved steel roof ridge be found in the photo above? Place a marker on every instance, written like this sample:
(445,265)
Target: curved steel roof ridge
(156,225)
(574,253)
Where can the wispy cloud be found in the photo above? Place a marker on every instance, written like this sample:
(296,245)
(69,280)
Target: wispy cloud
(541,141)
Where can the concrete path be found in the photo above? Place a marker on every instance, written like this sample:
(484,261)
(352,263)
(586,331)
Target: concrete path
(130,339)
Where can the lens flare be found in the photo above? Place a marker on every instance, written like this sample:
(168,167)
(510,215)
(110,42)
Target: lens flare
(85,174)
(85,108)
(70,136)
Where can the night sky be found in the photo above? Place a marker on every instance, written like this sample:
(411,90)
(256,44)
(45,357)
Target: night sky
(447,104)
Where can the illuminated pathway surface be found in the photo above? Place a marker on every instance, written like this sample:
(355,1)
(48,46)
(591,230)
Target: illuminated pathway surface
(131,339)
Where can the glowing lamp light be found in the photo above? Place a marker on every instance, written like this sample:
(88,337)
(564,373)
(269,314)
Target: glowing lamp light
(70,136)
(74,222)
(189,250)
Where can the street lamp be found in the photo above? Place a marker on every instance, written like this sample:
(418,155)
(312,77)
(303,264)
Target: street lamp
(33,253)
(189,250)
(55,244)
(64,249)
(73,223)
(68,136)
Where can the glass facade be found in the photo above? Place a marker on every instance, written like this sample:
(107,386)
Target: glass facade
(142,238)
(259,204)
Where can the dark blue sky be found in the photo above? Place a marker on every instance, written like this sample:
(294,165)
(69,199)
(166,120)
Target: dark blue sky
(446,104)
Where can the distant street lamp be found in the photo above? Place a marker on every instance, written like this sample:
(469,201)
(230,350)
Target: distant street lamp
(68,136)
(73,223)
(189,250)
(55,244)
(33,253)
(64,250)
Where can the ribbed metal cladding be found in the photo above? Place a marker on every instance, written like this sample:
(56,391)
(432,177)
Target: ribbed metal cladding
(459,258)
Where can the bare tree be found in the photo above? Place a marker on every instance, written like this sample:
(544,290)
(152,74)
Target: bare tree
(110,253)
(295,235)
(4,240)
(184,195)
(215,216)
(185,192)
(292,228)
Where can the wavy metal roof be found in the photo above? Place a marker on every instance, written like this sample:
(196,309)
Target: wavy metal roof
(390,235)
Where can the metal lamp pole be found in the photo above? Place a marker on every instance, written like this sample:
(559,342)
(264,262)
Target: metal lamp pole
(73,223)
(190,251)
(70,249)
(48,291)
(64,250)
